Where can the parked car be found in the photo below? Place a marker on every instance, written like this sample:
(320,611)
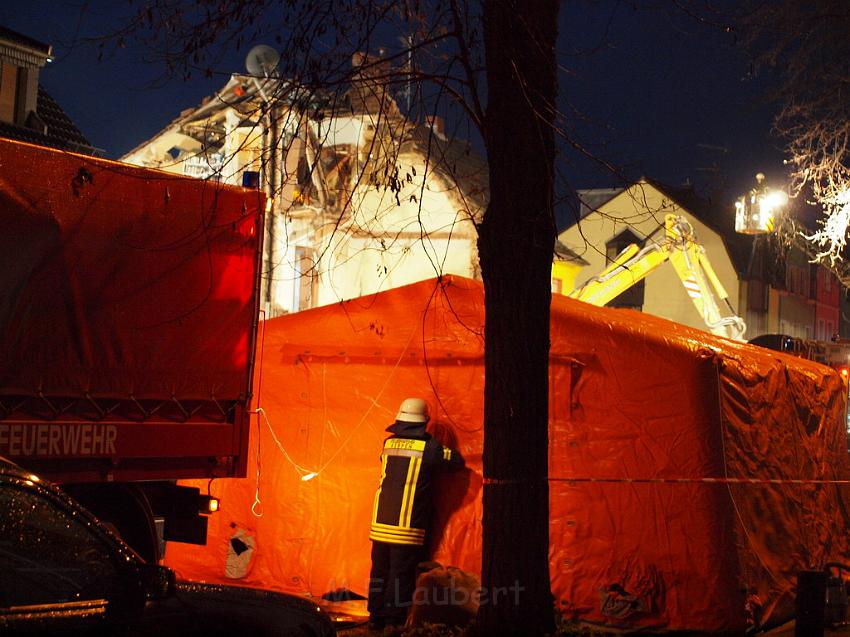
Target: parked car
(63,572)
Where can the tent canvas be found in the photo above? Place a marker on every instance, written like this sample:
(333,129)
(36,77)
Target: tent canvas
(691,477)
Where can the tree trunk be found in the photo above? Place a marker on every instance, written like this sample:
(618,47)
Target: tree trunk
(516,243)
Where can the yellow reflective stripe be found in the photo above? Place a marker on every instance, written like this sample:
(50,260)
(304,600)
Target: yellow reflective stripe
(397,530)
(409,492)
(420,533)
(447,454)
(405,493)
(394,540)
(404,443)
(412,538)
(385,540)
(378,492)
(407,520)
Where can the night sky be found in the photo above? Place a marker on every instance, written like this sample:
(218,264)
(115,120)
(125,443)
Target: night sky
(663,95)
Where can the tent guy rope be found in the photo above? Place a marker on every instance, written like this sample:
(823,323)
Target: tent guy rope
(305,473)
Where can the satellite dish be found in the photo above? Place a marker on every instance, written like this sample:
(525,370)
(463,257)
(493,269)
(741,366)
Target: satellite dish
(262,61)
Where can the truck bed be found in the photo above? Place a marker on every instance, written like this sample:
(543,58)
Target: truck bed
(128,313)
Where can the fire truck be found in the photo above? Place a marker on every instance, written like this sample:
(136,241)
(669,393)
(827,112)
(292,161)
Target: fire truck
(128,318)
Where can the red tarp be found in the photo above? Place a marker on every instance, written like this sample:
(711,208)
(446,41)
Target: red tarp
(641,412)
(111,275)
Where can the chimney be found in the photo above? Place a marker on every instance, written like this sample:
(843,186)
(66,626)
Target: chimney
(21,59)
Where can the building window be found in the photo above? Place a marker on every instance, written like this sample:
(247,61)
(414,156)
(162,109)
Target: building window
(821,330)
(203,165)
(798,280)
(632,297)
(812,282)
(8,91)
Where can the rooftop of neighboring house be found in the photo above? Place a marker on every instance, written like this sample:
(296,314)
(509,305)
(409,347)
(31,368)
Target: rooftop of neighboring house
(715,216)
(21,41)
(591,200)
(28,113)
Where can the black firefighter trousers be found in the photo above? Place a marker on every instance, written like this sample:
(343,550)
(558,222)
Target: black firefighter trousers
(392,582)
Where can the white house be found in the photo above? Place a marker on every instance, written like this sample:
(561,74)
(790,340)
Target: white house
(363,198)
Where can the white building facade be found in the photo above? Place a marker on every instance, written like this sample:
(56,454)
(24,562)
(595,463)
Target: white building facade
(362,199)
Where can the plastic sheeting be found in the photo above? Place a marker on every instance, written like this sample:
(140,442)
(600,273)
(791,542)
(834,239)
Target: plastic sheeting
(108,271)
(691,476)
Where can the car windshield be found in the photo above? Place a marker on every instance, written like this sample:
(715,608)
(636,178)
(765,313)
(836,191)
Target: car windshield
(48,555)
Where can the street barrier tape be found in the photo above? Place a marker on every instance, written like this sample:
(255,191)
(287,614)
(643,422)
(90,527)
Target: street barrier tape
(503,482)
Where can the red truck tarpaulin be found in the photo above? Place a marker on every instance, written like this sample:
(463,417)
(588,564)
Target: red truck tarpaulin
(691,477)
(107,270)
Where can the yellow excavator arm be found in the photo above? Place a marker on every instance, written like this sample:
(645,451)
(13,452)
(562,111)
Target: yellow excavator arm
(691,264)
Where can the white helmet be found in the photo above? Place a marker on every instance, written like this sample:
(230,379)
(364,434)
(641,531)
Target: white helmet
(413,410)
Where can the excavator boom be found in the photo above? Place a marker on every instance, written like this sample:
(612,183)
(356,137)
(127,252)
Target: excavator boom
(691,264)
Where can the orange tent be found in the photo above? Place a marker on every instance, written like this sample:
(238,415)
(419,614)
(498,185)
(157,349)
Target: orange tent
(691,476)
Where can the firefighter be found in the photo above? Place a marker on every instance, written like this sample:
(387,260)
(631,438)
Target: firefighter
(402,512)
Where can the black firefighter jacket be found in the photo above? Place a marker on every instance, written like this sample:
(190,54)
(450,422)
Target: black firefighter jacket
(403,504)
